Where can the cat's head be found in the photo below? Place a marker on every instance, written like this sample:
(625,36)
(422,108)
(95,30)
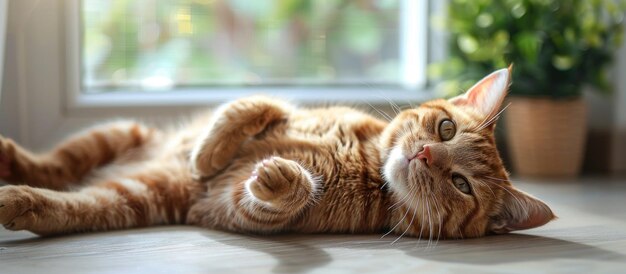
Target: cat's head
(443,164)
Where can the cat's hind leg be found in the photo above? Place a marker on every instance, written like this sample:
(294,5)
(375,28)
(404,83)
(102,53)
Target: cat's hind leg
(137,201)
(231,125)
(277,190)
(70,161)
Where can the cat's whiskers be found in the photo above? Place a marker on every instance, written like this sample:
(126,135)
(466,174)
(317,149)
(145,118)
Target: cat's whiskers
(409,226)
(497,179)
(384,115)
(393,105)
(403,217)
(503,180)
(494,118)
(493,194)
(419,238)
(430,224)
(487,117)
(399,201)
(491,121)
(439,220)
(484,120)
(411,129)
(406,213)
(385,183)
(397,109)
(410,103)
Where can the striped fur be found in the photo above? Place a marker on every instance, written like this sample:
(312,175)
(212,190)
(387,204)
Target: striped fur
(260,165)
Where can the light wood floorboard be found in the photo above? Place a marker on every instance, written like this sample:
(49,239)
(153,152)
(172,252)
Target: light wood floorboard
(588,237)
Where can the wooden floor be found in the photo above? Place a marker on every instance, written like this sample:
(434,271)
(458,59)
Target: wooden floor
(589,237)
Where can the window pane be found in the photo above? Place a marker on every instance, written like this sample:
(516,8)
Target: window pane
(153,44)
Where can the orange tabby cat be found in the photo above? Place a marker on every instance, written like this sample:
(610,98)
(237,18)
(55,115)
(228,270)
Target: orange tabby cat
(264,166)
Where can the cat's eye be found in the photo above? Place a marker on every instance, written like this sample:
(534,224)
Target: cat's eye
(461,184)
(447,129)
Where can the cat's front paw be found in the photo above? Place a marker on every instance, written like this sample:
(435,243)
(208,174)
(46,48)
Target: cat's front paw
(16,207)
(280,181)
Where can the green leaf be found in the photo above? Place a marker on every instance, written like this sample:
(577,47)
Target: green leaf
(528,44)
(467,43)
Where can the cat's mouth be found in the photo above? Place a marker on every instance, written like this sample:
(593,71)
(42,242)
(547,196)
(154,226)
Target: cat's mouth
(416,160)
(403,168)
(415,168)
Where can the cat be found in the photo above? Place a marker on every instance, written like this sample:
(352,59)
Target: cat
(261,165)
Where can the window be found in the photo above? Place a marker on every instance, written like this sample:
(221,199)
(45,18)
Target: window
(77,62)
(217,46)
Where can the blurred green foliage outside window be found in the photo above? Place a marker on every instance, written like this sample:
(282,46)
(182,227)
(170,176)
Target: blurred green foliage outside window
(144,45)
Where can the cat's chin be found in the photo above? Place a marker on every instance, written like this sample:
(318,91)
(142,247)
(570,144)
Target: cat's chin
(398,168)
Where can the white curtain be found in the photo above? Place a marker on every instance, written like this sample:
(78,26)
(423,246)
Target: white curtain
(3,26)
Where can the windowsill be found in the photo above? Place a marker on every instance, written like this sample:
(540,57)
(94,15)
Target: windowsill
(198,98)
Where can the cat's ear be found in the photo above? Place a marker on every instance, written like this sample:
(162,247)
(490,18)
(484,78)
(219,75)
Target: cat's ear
(486,96)
(519,211)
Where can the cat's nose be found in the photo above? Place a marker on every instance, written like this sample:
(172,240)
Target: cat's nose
(434,155)
(425,155)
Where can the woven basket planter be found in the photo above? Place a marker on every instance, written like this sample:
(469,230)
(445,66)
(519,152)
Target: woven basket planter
(546,137)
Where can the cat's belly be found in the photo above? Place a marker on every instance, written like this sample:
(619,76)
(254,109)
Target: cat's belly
(344,158)
(345,212)
(351,197)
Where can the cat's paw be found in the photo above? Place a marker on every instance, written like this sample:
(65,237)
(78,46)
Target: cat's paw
(252,115)
(218,153)
(16,207)
(7,152)
(277,180)
(234,124)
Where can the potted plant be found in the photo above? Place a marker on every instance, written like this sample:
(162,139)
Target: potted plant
(557,48)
